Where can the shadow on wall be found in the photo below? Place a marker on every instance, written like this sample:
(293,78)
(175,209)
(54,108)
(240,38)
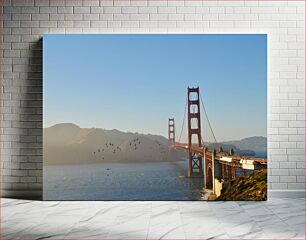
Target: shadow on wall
(30,150)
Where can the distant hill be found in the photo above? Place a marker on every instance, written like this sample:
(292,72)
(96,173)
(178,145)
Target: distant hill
(67,143)
(257,144)
(251,146)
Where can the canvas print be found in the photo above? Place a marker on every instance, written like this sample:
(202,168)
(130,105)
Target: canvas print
(155,117)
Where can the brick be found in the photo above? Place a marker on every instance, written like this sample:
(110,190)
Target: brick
(48,10)
(230,17)
(202,10)
(287,179)
(130,24)
(40,3)
(129,10)
(96,10)
(300,164)
(114,24)
(231,3)
(63,10)
(297,138)
(176,17)
(81,24)
(57,3)
(20,186)
(147,9)
(297,172)
(300,179)
(288,116)
(300,144)
(11,179)
(81,9)
(19,173)
(287,145)
(29,10)
(277,151)
(11,10)
(98,24)
(279,124)
(148,24)
(65,24)
(111,10)
(40,16)
(37,173)
(11,53)
(21,31)
(300,116)
(288,131)
(28,179)
(158,3)
(105,17)
(277,186)
(11,24)
(56,17)
(21,17)
(296,158)
(74,3)
(296,186)
(222,24)
(287,165)
(193,17)
(23,3)
(166,10)
(296,151)
(167,24)
(137,3)
(189,3)
(185,24)
(185,9)
(297,124)
(121,17)
(91,17)
(73,16)
(92,3)
(160,17)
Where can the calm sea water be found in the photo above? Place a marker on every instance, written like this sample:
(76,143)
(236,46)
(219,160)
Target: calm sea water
(121,181)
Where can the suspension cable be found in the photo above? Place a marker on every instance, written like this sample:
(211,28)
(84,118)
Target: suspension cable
(208,119)
(183,120)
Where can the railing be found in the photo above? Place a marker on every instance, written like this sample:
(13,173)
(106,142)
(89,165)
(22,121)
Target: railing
(234,158)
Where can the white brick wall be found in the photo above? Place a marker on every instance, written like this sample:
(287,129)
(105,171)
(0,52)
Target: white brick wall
(24,21)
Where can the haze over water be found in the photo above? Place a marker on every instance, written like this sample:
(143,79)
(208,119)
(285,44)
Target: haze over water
(121,181)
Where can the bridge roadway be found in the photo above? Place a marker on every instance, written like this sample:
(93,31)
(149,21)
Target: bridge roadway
(243,162)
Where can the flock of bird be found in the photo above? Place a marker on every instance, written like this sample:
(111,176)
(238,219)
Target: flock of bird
(134,143)
(110,146)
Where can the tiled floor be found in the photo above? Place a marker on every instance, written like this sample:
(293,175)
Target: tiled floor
(274,219)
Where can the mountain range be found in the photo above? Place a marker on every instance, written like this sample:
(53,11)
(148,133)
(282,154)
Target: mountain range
(67,143)
(251,146)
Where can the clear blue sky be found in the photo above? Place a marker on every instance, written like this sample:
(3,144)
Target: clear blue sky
(136,82)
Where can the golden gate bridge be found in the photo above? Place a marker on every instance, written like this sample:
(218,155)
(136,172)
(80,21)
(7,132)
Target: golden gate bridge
(211,164)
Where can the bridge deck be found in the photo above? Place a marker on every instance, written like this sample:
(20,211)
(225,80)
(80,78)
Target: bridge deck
(223,157)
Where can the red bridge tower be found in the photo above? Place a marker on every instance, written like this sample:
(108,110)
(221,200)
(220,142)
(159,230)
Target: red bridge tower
(194,129)
(171,131)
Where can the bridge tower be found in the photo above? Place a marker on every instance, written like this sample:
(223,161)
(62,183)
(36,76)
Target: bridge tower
(171,131)
(194,129)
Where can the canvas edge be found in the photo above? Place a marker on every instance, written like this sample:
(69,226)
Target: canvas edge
(23,194)
(38,194)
